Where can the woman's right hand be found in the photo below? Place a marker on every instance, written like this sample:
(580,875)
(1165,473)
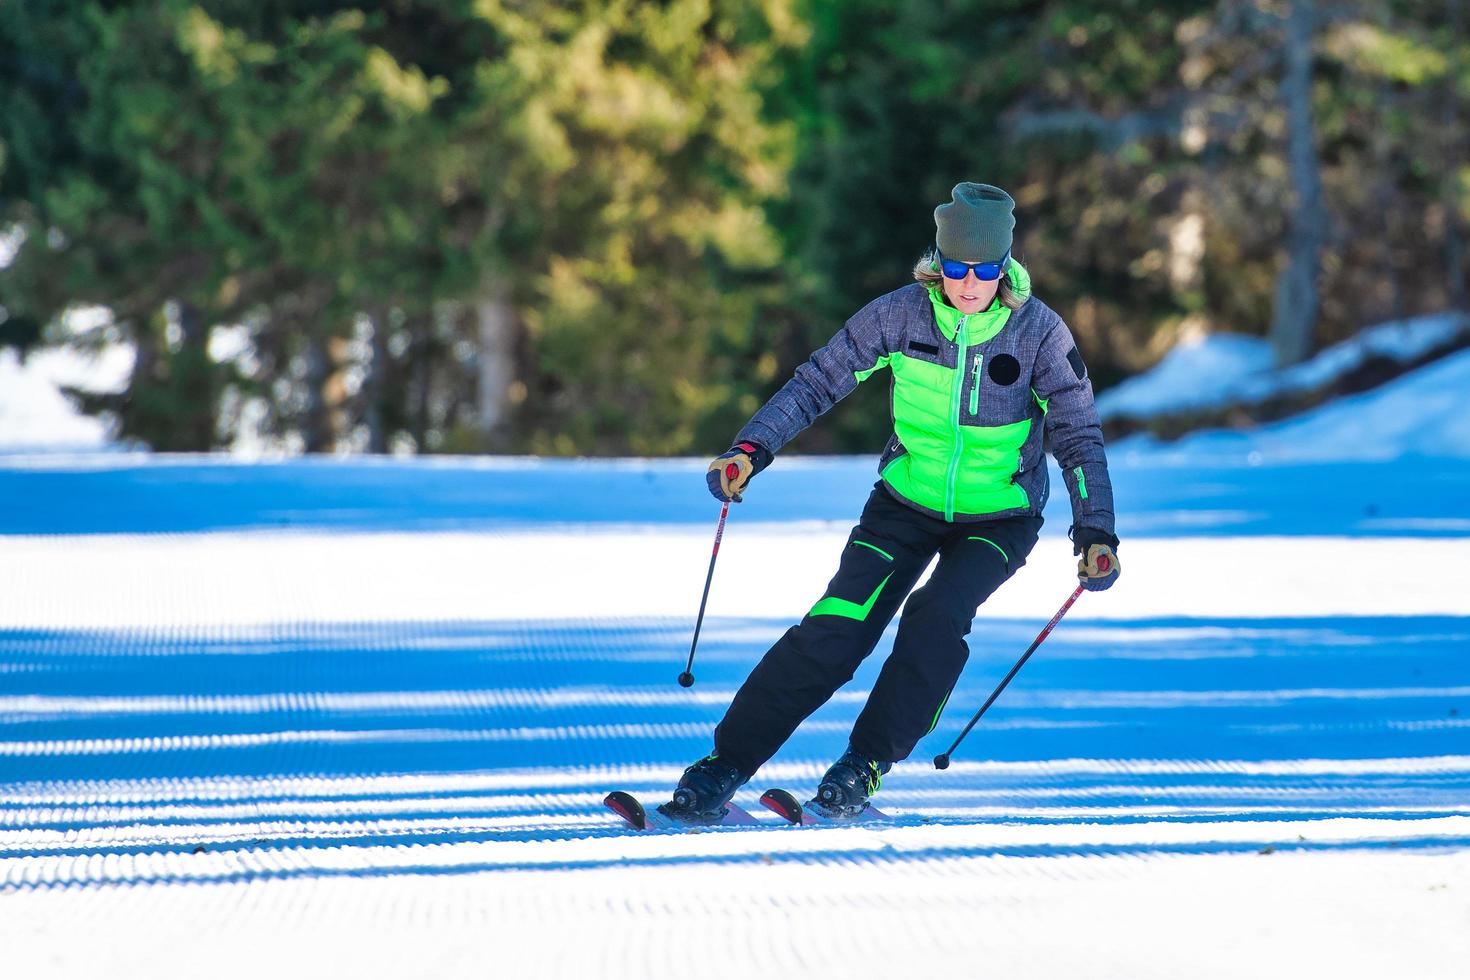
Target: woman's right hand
(729,472)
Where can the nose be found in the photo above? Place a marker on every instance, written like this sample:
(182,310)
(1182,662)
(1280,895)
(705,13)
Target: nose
(971,280)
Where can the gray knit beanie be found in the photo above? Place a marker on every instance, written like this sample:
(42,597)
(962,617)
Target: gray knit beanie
(976,225)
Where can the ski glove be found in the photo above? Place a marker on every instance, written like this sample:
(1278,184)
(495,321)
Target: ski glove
(1099,567)
(730,472)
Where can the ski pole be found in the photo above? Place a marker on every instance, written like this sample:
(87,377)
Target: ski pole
(686,679)
(941,761)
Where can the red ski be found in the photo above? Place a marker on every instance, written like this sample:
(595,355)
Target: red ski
(814,814)
(627,806)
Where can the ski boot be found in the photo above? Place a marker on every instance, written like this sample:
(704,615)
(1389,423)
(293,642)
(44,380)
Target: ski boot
(703,791)
(844,790)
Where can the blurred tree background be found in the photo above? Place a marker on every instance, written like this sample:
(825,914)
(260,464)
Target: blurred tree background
(615,227)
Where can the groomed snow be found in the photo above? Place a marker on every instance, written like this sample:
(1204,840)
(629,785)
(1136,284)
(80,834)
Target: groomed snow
(253,581)
(355,718)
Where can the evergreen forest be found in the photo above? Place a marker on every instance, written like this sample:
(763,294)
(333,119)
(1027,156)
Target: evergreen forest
(607,227)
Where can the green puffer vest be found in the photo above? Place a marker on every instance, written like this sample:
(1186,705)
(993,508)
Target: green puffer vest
(950,466)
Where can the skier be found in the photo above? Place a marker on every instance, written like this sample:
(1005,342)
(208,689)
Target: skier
(983,374)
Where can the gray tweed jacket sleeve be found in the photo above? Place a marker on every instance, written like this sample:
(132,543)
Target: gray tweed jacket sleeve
(1073,433)
(829,375)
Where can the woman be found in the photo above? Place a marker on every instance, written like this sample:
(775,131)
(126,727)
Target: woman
(984,375)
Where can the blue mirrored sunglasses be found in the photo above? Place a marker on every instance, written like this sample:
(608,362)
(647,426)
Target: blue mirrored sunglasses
(984,271)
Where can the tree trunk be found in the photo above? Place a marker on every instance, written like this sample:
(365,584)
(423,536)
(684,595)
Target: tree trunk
(325,394)
(496,319)
(133,414)
(1297,299)
(374,382)
(421,358)
(173,394)
(193,377)
(1450,130)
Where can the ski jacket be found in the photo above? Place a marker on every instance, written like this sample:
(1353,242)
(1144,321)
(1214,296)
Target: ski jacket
(976,400)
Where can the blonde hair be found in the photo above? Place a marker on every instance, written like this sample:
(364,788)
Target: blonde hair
(927,274)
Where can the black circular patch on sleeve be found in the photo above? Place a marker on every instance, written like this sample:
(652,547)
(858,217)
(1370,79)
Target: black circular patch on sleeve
(1004,369)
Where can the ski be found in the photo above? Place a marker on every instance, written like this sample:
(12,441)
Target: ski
(813,814)
(633,812)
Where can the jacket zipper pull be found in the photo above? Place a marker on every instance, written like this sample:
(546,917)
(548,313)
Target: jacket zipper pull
(975,386)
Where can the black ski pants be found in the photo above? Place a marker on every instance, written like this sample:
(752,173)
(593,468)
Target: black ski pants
(884,556)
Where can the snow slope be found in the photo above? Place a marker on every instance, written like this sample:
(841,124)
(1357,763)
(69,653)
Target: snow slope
(1198,372)
(1420,414)
(36,416)
(355,718)
(1212,370)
